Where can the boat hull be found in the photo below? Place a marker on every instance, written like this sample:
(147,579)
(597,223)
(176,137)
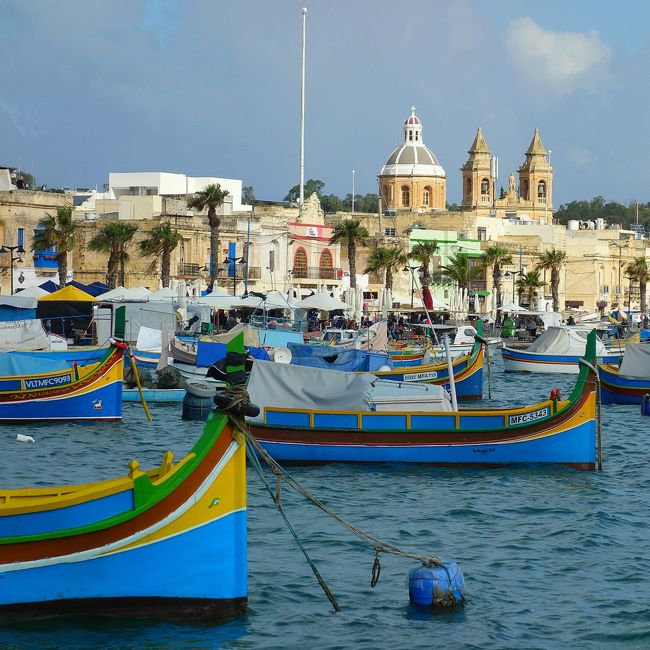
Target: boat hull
(522,361)
(170,543)
(615,389)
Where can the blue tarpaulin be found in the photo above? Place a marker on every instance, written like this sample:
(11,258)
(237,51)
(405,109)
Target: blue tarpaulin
(209,352)
(324,356)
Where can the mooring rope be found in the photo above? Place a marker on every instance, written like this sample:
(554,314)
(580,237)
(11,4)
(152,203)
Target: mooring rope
(238,395)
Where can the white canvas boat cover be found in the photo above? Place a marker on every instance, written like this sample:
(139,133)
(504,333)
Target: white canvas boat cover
(636,361)
(149,339)
(23,335)
(286,386)
(567,341)
(323,301)
(19,302)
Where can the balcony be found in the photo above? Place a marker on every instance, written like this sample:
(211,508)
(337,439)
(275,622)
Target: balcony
(317,273)
(226,271)
(45,259)
(189,270)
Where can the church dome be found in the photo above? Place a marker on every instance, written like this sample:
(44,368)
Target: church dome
(413,157)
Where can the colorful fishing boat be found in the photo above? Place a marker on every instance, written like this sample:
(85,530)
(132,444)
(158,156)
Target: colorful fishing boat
(467,369)
(168,543)
(553,431)
(61,390)
(557,350)
(629,382)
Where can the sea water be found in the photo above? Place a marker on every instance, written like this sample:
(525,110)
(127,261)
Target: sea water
(552,557)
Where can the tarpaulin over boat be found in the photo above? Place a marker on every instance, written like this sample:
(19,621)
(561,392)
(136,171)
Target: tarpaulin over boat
(564,341)
(23,335)
(333,358)
(636,361)
(208,353)
(12,365)
(251,335)
(285,386)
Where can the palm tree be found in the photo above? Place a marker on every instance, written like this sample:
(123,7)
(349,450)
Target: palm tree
(162,240)
(639,272)
(58,232)
(211,197)
(528,285)
(458,270)
(496,256)
(423,252)
(387,260)
(350,231)
(112,239)
(553,259)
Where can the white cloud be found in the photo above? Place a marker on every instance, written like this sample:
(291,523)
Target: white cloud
(561,61)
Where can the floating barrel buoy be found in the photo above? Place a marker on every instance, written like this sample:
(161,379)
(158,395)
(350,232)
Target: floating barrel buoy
(645,405)
(438,585)
(197,402)
(23,438)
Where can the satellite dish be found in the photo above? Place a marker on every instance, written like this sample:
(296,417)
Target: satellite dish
(282,355)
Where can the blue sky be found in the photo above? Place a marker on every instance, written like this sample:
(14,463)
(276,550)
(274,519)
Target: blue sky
(212,88)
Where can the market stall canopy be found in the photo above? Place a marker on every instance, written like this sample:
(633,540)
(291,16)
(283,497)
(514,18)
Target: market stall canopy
(163,294)
(34,292)
(92,289)
(19,301)
(323,301)
(270,300)
(511,307)
(120,293)
(68,294)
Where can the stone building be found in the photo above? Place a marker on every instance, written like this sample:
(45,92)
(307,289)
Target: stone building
(412,179)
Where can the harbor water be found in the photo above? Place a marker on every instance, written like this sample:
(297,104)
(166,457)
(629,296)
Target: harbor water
(552,557)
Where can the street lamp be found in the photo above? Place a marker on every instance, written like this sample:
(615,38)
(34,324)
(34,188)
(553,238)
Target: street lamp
(514,274)
(10,249)
(411,270)
(233,261)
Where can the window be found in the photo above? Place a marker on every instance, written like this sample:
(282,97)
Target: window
(482,234)
(485,187)
(541,189)
(406,196)
(604,288)
(271,260)
(411,135)
(300,264)
(326,266)
(426,197)
(468,189)
(21,237)
(389,232)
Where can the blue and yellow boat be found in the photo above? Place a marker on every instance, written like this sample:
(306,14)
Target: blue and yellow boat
(168,543)
(629,381)
(61,390)
(553,431)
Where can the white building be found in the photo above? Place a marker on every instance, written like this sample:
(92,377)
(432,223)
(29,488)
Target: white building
(121,184)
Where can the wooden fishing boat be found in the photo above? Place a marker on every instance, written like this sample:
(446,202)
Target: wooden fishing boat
(629,382)
(62,391)
(168,543)
(467,369)
(557,350)
(553,431)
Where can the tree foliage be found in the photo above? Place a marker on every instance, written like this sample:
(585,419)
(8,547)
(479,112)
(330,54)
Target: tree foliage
(460,271)
(331,203)
(58,232)
(386,260)
(112,239)
(599,208)
(160,242)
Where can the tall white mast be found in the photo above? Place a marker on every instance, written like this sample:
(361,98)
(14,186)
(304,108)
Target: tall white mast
(302,112)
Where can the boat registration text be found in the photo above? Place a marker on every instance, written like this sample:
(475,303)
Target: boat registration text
(526,418)
(421,376)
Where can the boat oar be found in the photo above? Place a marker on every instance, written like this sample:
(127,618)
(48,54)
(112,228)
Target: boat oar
(134,368)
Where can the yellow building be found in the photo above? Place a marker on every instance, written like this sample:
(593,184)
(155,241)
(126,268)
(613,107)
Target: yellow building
(412,178)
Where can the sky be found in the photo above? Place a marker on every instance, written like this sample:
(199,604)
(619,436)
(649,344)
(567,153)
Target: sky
(212,88)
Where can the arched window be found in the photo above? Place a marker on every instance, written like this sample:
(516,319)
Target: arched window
(406,196)
(468,189)
(541,189)
(426,197)
(525,188)
(485,187)
(300,264)
(326,266)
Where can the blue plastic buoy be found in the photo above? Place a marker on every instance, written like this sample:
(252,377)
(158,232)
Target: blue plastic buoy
(196,408)
(440,585)
(645,405)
